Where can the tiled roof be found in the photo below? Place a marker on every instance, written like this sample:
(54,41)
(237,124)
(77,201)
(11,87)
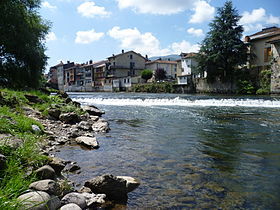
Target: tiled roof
(190,55)
(265,33)
(274,39)
(131,51)
(162,61)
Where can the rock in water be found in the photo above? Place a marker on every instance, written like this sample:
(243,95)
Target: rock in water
(113,187)
(131,183)
(101,126)
(46,172)
(92,110)
(89,142)
(39,200)
(57,164)
(92,198)
(47,185)
(76,198)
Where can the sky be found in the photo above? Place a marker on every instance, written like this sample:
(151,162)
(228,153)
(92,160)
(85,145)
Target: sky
(83,30)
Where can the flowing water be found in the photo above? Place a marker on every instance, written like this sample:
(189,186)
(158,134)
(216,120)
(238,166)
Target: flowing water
(188,151)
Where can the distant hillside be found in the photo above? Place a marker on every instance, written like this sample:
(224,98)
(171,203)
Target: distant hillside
(171,57)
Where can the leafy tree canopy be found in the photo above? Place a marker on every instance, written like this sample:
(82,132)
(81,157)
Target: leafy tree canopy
(160,74)
(147,74)
(22,49)
(222,50)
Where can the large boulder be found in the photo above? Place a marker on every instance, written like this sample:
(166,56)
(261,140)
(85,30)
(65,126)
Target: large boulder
(76,198)
(113,187)
(46,172)
(70,118)
(101,126)
(92,110)
(71,206)
(38,200)
(54,113)
(131,183)
(47,185)
(84,125)
(89,142)
(94,199)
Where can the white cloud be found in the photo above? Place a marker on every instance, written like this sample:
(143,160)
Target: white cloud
(256,19)
(256,15)
(146,43)
(48,5)
(87,37)
(51,37)
(202,12)
(157,7)
(195,32)
(90,10)
(184,46)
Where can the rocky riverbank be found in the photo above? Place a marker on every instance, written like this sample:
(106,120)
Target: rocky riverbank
(52,190)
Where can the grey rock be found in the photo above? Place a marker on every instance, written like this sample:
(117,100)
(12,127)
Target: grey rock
(36,129)
(46,172)
(11,141)
(69,118)
(62,140)
(84,125)
(131,183)
(54,112)
(113,187)
(89,142)
(33,99)
(70,206)
(92,110)
(84,190)
(38,200)
(47,185)
(2,161)
(94,118)
(101,126)
(57,164)
(92,198)
(76,104)
(76,198)
(85,117)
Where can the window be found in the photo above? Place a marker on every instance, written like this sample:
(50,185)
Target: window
(114,63)
(127,80)
(267,54)
(131,56)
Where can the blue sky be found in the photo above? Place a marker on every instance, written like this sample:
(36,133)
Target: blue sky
(84,30)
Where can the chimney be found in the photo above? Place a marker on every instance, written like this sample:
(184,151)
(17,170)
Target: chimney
(90,62)
(147,58)
(113,55)
(122,51)
(68,62)
(247,39)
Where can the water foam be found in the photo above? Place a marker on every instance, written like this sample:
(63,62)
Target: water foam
(181,102)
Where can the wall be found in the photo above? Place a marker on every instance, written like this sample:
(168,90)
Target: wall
(124,60)
(257,48)
(202,86)
(275,69)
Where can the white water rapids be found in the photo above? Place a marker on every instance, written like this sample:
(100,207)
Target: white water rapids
(181,102)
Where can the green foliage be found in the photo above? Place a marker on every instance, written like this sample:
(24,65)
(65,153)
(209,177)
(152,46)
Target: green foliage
(245,87)
(147,74)
(222,50)
(22,48)
(265,82)
(163,87)
(160,74)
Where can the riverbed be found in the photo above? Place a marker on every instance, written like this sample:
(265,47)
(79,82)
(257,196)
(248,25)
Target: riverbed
(188,151)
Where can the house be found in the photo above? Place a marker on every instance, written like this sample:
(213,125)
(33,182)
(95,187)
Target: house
(52,77)
(275,64)
(170,67)
(260,49)
(123,67)
(99,75)
(186,67)
(60,73)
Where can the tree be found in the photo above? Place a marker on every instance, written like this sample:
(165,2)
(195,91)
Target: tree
(160,74)
(147,74)
(222,50)
(22,49)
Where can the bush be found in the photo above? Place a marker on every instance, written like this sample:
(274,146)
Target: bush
(147,74)
(245,87)
(163,87)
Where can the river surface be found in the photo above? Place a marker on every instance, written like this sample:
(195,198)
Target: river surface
(189,151)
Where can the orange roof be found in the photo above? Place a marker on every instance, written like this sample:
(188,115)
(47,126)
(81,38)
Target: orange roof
(265,33)
(274,39)
(162,61)
(190,55)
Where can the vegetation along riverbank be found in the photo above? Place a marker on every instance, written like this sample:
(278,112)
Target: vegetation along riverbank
(32,124)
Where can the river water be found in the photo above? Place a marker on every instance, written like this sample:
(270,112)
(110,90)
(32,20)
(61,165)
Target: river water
(189,151)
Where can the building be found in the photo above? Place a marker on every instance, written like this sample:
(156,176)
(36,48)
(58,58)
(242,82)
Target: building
(260,49)
(52,77)
(122,68)
(186,67)
(60,68)
(99,76)
(170,67)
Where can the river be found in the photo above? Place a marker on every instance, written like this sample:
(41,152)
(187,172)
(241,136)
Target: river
(189,151)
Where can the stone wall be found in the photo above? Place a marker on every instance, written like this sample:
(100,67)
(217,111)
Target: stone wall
(275,69)
(202,86)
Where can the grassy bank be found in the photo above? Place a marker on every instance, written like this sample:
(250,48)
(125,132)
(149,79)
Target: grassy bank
(19,143)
